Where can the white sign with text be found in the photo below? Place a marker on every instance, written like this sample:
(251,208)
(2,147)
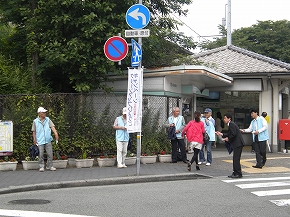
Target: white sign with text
(134,100)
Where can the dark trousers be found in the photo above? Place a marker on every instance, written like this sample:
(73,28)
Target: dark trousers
(237,152)
(260,149)
(181,146)
(195,156)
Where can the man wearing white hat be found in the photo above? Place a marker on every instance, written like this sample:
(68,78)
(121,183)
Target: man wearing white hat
(122,138)
(41,133)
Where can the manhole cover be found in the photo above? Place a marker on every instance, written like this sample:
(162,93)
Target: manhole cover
(29,201)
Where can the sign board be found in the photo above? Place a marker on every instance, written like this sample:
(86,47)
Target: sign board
(116,48)
(6,138)
(138,16)
(136,53)
(134,100)
(132,33)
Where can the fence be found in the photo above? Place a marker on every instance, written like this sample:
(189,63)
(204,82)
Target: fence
(84,121)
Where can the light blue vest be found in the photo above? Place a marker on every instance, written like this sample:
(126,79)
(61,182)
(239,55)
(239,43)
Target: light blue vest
(43,132)
(263,136)
(178,124)
(209,129)
(121,135)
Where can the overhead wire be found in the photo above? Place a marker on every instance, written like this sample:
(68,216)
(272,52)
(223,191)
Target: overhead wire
(191,28)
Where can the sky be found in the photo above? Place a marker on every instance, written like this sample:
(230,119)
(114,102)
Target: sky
(204,16)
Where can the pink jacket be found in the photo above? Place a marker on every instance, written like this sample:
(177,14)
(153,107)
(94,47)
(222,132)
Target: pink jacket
(194,131)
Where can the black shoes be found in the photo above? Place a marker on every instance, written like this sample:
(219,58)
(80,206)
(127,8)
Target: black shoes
(188,166)
(235,176)
(260,167)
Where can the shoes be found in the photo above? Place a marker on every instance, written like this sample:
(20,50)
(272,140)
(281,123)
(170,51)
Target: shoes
(260,167)
(189,166)
(41,169)
(185,161)
(119,166)
(235,176)
(197,167)
(51,168)
(207,164)
(124,166)
(199,163)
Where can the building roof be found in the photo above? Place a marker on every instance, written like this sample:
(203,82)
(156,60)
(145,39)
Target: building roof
(235,60)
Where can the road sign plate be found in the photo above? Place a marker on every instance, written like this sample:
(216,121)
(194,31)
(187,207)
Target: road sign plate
(116,48)
(138,16)
(131,33)
(136,53)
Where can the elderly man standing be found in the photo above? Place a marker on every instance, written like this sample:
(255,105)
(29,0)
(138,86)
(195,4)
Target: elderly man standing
(122,138)
(209,124)
(176,123)
(41,133)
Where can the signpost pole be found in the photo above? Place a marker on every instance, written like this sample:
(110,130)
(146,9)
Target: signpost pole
(139,133)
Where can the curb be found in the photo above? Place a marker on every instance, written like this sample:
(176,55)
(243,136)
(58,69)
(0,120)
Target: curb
(102,182)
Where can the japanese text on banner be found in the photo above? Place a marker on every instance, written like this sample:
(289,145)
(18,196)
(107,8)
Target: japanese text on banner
(134,100)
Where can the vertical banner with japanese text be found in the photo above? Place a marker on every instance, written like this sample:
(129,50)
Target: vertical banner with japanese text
(134,100)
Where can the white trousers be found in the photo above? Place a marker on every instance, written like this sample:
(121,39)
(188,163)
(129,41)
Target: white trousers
(121,152)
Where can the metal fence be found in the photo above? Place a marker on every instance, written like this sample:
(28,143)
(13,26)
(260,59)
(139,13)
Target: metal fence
(83,121)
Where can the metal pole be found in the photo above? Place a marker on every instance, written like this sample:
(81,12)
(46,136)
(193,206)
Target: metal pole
(229,34)
(139,133)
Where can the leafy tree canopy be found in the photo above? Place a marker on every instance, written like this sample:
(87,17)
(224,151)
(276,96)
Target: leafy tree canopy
(63,39)
(268,38)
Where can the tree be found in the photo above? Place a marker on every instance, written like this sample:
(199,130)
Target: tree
(16,79)
(63,39)
(268,38)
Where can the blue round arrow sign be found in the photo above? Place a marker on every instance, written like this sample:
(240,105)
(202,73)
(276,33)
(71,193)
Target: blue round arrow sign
(138,16)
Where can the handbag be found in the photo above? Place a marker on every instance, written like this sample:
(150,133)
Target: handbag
(34,151)
(205,137)
(171,133)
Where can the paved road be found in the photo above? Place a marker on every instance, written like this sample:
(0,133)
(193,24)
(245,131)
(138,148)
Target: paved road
(254,195)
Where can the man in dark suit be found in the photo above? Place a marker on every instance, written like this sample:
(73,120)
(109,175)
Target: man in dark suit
(234,137)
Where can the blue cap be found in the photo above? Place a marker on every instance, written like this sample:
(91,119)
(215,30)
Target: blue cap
(207,110)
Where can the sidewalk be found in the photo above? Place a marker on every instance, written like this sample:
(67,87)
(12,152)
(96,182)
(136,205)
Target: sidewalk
(21,180)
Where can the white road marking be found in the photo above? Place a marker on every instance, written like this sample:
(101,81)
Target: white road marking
(22,213)
(264,185)
(285,202)
(256,179)
(271,192)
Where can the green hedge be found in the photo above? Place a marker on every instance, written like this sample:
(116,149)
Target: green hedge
(83,129)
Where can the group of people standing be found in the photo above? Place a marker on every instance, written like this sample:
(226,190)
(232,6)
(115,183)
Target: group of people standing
(194,131)
(200,125)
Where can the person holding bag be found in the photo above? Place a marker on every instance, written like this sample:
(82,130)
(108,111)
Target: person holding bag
(209,124)
(176,124)
(194,131)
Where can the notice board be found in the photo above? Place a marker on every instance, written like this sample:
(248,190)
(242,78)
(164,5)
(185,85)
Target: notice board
(6,138)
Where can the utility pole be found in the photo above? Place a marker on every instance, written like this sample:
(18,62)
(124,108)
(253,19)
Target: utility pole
(229,33)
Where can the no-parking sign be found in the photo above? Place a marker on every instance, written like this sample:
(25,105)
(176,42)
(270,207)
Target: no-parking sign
(116,48)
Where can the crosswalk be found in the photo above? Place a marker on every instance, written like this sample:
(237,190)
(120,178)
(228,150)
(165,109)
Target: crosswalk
(266,187)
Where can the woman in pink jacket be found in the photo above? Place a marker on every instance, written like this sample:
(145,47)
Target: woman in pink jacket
(194,131)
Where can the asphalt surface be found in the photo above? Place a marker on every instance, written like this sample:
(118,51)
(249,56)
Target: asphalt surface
(30,180)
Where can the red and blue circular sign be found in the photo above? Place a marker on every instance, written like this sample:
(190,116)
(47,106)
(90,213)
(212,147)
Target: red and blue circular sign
(116,48)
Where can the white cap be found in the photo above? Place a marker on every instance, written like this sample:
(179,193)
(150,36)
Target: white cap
(124,111)
(41,109)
